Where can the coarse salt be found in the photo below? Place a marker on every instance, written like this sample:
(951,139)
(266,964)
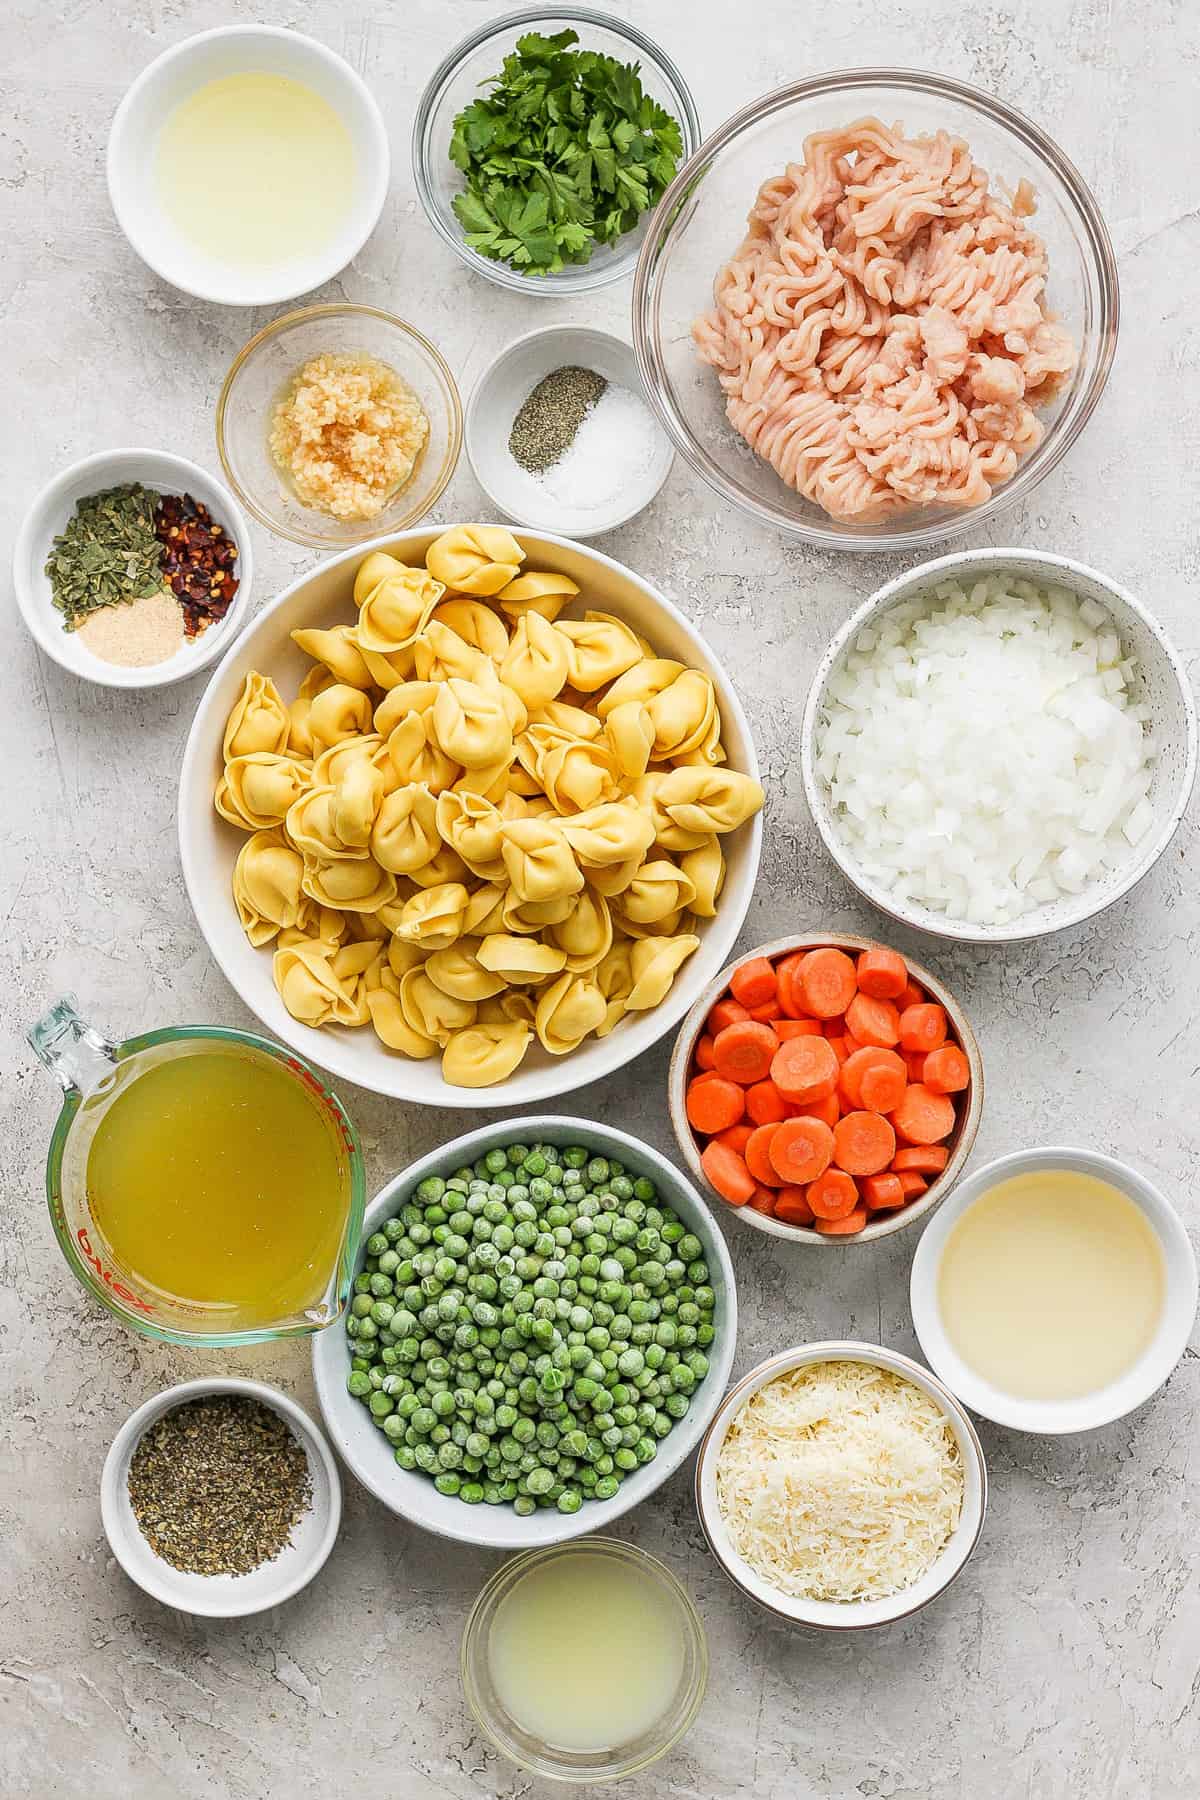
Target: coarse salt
(611,455)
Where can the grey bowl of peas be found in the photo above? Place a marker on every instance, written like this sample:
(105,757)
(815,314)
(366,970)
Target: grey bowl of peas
(542,1327)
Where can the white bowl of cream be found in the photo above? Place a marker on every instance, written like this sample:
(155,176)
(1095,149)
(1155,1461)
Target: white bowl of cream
(248,165)
(1054,1291)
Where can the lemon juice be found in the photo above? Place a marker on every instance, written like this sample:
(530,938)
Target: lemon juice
(585,1652)
(215,1179)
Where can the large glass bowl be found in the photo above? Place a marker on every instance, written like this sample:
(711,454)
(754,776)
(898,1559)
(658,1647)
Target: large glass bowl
(700,221)
(457,81)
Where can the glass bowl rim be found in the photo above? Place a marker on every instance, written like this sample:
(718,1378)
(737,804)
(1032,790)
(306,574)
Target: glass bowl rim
(579,281)
(511,1571)
(1057,441)
(347,1256)
(328,310)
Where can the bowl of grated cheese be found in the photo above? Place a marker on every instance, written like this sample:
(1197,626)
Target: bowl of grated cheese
(841,1486)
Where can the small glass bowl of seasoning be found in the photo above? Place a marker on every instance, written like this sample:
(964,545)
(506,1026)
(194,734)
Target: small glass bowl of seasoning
(560,435)
(220,1498)
(133,569)
(337,424)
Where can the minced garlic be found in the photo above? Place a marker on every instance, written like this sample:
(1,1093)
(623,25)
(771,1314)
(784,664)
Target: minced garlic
(348,433)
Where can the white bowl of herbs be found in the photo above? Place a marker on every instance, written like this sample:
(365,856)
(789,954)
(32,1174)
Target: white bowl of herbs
(133,569)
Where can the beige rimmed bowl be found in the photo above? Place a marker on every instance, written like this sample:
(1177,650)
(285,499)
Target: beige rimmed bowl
(961,1139)
(838,1616)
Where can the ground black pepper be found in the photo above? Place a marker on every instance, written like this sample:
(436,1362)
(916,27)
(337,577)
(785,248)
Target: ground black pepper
(217,1485)
(547,421)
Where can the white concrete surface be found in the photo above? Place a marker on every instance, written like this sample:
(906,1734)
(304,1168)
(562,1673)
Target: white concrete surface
(1066,1662)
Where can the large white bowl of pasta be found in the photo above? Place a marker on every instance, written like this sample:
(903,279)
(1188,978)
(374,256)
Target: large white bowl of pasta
(470,817)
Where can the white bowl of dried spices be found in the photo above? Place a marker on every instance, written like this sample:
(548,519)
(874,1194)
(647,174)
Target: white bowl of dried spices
(220,1498)
(560,436)
(133,568)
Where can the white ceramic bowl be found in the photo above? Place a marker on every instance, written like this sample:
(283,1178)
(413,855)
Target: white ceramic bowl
(852,1615)
(968,1107)
(223,1596)
(1057,1418)
(49,515)
(208,846)
(1164,689)
(172,78)
(502,390)
(413,1495)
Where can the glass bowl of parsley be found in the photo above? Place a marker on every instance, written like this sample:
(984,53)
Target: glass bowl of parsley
(543,143)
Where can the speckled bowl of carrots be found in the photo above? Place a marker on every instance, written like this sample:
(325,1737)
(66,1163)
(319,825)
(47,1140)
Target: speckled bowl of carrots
(827,1089)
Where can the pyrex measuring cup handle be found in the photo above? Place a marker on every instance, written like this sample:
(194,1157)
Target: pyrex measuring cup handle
(71,1049)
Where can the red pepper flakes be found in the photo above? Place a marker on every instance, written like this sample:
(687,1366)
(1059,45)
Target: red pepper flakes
(198,557)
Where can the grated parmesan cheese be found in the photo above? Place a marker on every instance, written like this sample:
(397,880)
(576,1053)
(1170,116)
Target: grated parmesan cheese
(840,1481)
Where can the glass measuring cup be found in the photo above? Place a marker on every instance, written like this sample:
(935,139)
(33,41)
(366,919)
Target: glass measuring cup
(94,1072)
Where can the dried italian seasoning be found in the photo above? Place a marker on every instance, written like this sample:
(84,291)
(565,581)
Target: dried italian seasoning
(218,1484)
(546,424)
(108,553)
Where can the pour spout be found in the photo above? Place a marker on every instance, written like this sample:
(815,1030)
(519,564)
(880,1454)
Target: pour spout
(73,1051)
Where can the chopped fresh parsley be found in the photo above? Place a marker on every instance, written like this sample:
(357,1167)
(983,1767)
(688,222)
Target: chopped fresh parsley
(566,151)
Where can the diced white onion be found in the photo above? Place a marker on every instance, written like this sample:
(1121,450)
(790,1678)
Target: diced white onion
(982,750)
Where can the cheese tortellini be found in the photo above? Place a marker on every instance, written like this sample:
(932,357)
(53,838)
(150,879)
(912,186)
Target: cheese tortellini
(489,819)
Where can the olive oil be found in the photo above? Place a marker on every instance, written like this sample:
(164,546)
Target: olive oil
(255,170)
(215,1178)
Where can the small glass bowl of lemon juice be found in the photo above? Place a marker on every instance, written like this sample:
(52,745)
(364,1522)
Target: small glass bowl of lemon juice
(585,1661)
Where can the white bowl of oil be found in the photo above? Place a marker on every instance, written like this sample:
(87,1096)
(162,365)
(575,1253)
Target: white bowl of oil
(1054,1290)
(248,165)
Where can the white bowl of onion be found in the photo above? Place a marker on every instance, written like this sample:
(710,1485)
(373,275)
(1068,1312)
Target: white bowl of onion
(1040,786)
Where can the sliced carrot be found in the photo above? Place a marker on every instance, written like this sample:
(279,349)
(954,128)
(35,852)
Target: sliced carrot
(882,974)
(914,1062)
(791,1205)
(725,1012)
(827,983)
(801,1149)
(735,1137)
(791,996)
(754,983)
(923,1027)
(768,1013)
(882,1088)
(703,1076)
(727,1173)
(765,1104)
(863,1143)
(758,1156)
(854,1068)
(703,1053)
(947,1070)
(880,1191)
(911,1184)
(847,1227)
(762,1200)
(912,995)
(921,1159)
(834,1028)
(923,1117)
(805,1068)
(842,1047)
(873,1021)
(832,1195)
(794,1028)
(828,1110)
(713,1104)
(743,1051)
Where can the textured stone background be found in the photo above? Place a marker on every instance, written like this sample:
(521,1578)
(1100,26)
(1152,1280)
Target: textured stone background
(1067,1660)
